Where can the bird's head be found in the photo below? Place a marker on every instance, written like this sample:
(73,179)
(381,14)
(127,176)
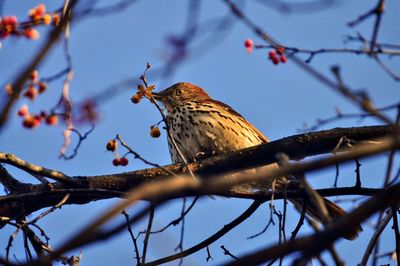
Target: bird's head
(180,93)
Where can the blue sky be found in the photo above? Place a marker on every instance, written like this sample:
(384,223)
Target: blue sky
(278,100)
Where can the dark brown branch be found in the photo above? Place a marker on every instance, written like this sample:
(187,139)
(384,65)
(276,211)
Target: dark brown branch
(106,186)
(161,191)
(326,237)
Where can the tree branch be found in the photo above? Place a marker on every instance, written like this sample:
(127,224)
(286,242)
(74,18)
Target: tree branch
(106,186)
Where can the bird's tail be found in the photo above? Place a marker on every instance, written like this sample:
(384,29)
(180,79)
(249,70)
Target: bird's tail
(335,212)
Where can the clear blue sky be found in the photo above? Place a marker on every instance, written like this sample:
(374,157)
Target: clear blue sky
(278,100)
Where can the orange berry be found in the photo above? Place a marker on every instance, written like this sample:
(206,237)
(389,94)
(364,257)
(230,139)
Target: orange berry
(32,13)
(42,86)
(275,60)
(136,98)
(56,19)
(9,89)
(31,34)
(155,132)
(40,10)
(28,122)
(31,93)
(280,50)
(123,161)
(116,162)
(47,19)
(283,59)
(52,120)
(34,75)
(112,145)
(23,111)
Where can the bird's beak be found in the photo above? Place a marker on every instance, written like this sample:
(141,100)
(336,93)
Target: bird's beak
(158,96)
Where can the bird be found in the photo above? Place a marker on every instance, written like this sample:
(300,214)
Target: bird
(202,127)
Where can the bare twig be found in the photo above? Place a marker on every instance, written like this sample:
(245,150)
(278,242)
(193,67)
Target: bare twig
(134,239)
(374,239)
(253,207)
(228,253)
(147,235)
(396,234)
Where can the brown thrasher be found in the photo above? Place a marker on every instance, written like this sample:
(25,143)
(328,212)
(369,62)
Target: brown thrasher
(202,127)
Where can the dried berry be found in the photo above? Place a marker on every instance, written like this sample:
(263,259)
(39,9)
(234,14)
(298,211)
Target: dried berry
(112,145)
(136,98)
(116,162)
(31,93)
(23,111)
(123,161)
(155,132)
(52,120)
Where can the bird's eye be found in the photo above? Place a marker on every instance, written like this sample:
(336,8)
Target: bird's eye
(179,92)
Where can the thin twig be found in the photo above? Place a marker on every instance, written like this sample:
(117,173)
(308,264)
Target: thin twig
(228,253)
(134,240)
(396,233)
(147,235)
(228,227)
(375,237)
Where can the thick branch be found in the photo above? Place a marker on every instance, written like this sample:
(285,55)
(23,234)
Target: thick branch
(106,186)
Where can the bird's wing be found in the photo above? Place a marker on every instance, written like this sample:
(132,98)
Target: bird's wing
(233,112)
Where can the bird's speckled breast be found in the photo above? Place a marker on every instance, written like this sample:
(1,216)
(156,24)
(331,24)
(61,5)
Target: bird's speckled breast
(210,129)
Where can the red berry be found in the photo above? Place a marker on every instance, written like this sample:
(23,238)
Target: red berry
(31,93)
(42,86)
(29,122)
(23,111)
(249,44)
(52,120)
(31,34)
(272,54)
(56,19)
(116,162)
(123,161)
(283,59)
(13,21)
(37,120)
(275,60)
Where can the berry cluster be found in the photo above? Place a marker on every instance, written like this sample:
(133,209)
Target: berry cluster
(143,92)
(112,146)
(34,120)
(277,55)
(35,87)
(9,25)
